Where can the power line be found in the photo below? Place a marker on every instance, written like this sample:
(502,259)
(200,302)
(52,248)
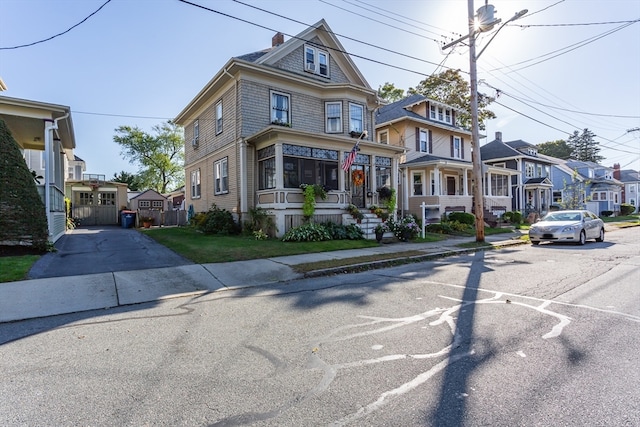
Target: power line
(57,35)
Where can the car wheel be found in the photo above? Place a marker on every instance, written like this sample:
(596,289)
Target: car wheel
(601,238)
(583,238)
(535,242)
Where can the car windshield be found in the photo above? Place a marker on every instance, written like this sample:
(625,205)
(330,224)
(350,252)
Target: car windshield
(562,216)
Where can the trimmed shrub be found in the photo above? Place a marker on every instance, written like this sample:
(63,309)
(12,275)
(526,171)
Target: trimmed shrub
(514,217)
(23,221)
(606,213)
(627,209)
(218,221)
(462,217)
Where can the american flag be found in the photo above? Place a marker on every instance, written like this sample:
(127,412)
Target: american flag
(351,157)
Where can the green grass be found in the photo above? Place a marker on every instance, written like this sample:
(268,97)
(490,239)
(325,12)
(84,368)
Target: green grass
(201,248)
(14,268)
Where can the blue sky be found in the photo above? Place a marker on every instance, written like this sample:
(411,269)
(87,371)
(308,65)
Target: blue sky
(139,62)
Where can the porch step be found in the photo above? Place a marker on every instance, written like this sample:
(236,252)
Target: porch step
(368,225)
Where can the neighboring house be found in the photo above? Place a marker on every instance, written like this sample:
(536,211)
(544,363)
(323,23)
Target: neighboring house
(48,130)
(75,168)
(149,200)
(176,199)
(288,115)
(631,181)
(531,187)
(95,201)
(436,167)
(602,191)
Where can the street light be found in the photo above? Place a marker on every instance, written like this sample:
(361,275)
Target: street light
(485,23)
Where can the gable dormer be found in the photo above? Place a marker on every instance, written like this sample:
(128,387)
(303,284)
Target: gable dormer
(441,113)
(532,151)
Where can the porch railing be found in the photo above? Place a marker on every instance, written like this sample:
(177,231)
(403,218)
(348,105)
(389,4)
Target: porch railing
(56,198)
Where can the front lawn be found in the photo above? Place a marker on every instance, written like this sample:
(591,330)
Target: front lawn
(201,248)
(14,268)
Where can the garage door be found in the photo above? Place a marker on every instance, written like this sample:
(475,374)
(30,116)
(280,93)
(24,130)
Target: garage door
(95,208)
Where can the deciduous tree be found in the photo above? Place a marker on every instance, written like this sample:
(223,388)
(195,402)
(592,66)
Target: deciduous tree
(390,93)
(449,87)
(559,149)
(160,156)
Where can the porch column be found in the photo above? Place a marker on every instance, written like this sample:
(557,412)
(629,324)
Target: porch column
(243,172)
(49,126)
(279,167)
(436,183)
(405,192)
(465,182)
(488,179)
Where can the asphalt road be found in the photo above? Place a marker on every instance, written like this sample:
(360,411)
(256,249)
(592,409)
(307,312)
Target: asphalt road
(103,249)
(523,336)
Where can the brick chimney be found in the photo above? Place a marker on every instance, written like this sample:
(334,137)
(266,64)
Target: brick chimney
(499,136)
(616,171)
(277,40)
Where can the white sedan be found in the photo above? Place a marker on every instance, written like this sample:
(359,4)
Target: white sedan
(567,226)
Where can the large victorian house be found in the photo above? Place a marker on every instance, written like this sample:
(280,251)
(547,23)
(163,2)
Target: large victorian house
(436,168)
(531,186)
(288,115)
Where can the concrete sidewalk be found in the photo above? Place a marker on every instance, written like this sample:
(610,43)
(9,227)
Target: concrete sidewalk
(61,295)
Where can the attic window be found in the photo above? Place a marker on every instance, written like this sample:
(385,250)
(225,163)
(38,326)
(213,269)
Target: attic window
(316,61)
(440,114)
(532,151)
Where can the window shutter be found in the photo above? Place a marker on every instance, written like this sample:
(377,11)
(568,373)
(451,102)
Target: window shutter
(430,143)
(418,139)
(451,145)
(462,148)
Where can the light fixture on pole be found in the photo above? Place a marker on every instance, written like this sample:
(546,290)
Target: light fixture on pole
(484,22)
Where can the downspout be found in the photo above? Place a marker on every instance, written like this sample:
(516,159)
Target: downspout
(49,127)
(241,153)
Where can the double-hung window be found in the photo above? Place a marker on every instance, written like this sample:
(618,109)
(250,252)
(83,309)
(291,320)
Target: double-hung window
(418,184)
(219,117)
(424,141)
(356,118)
(383,137)
(456,148)
(316,61)
(529,170)
(333,111)
(280,107)
(195,184)
(221,170)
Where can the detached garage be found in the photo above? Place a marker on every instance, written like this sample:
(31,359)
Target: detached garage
(95,201)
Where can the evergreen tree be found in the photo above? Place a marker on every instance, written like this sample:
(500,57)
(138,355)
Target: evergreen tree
(23,222)
(584,147)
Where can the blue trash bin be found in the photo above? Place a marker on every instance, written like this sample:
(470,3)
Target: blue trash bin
(127,218)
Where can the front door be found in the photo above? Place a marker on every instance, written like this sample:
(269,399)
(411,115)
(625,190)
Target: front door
(358,179)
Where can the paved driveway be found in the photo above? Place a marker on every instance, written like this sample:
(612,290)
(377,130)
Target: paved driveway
(102,249)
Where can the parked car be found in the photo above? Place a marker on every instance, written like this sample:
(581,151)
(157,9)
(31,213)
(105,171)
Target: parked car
(567,226)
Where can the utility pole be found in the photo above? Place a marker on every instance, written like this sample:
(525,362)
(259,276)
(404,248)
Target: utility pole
(485,23)
(478,190)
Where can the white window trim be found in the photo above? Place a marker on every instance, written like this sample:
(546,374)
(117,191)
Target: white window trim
(272,110)
(196,188)
(361,117)
(457,155)
(326,112)
(314,66)
(217,168)
(384,140)
(219,122)
(424,132)
(413,184)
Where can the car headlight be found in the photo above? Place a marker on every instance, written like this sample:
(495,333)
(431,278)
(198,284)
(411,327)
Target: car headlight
(570,228)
